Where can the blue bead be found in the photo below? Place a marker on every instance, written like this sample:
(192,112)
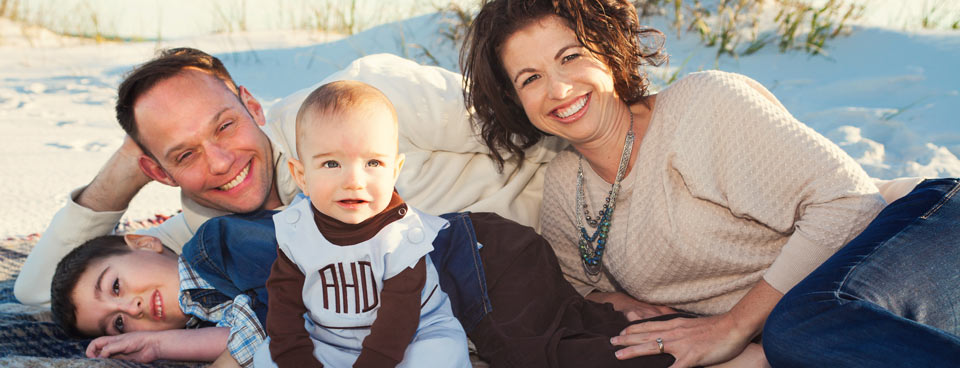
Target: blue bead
(600,246)
(601,242)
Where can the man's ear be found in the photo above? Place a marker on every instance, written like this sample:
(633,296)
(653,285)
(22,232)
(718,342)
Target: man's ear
(253,106)
(143,242)
(401,158)
(296,170)
(152,169)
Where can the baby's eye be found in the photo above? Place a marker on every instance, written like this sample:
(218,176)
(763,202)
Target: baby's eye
(116,287)
(570,57)
(331,164)
(374,163)
(118,324)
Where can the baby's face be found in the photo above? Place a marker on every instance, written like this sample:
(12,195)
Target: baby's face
(350,162)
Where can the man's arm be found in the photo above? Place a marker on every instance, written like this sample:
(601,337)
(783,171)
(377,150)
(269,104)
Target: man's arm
(91,211)
(202,345)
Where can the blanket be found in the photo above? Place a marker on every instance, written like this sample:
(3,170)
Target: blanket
(28,335)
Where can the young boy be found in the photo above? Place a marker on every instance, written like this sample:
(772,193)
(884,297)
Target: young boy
(141,295)
(352,263)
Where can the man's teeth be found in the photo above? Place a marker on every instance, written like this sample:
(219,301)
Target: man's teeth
(573,109)
(237,180)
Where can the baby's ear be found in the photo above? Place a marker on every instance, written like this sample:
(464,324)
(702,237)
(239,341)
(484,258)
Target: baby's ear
(296,170)
(401,158)
(143,242)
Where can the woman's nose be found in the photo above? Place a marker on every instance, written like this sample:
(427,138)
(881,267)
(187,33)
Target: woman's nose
(559,87)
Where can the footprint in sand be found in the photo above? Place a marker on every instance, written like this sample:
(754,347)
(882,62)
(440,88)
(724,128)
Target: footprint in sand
(59,145)
(94,146)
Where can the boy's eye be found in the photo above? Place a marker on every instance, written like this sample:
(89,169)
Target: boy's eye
(118,324)
(116,287)
(374,163)
(530,79)
(570,57)
(331,164)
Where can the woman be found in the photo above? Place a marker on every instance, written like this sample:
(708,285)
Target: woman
(708,197)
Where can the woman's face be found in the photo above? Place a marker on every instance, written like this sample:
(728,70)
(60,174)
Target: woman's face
(563,88)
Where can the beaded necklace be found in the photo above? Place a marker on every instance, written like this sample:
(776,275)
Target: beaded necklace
(591,256)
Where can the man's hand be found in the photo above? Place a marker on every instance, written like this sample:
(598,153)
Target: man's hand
(119,180)
(141,347)
(633,309)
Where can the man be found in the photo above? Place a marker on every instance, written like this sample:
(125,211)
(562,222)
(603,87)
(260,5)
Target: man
(189,125)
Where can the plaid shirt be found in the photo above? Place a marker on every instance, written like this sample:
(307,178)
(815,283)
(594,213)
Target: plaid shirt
(246,333)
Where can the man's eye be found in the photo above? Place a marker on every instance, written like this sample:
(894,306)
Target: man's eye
(331,164)
(184,156)
(118,324)
(116,287)
(530,79)
(226,125)
(374,163)
(570,57)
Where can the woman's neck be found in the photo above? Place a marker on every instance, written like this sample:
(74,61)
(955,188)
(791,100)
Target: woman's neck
(603,154)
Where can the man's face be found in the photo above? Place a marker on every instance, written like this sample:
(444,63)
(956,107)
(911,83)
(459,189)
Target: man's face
(206,141)
(136,291)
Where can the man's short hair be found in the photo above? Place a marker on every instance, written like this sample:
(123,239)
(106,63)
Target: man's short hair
(167,64)
(337,96)
(68,272)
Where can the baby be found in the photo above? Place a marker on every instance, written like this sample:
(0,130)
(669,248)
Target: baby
(352,266)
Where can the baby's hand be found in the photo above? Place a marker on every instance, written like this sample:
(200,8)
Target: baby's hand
(141,347)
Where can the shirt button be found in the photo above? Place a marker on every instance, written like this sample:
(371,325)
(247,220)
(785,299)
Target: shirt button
(415,235)
(293,216)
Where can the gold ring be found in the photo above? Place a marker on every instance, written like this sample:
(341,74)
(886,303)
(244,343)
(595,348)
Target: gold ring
(660,345)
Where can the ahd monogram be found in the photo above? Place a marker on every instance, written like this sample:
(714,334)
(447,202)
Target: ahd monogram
(334,281)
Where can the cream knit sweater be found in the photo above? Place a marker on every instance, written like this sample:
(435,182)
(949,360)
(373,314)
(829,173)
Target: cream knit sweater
(728,187)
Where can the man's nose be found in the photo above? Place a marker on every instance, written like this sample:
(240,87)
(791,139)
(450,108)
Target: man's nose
(219,158)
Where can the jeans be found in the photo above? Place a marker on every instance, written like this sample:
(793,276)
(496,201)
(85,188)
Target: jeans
(891,297)
(234,253)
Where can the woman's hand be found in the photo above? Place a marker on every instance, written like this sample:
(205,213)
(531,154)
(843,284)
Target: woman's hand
(706,340)
(140,347)
(635,310)
(692,341)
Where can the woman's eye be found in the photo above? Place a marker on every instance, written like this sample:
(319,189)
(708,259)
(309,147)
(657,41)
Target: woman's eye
(374,163)
(570,57)
(530,79)
(116,287)
(118,324)
(331,164)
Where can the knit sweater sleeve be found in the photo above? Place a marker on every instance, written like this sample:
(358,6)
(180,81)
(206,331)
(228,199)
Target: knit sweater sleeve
(741,149)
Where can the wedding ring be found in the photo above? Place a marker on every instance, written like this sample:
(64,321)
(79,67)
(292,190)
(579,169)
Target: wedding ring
(660,345)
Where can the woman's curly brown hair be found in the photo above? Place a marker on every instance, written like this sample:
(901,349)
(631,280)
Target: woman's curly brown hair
(608,28)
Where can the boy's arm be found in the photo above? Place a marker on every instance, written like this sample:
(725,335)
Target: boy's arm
(397,319)
(203,345)
(290,344)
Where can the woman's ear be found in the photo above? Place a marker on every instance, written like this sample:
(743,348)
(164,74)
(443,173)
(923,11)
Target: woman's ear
(143,242)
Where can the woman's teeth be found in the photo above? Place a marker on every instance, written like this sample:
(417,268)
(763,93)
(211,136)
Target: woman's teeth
(237,180)
(573,109)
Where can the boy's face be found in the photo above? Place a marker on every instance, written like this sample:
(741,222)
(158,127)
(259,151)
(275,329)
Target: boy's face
(349,161)
(136,291)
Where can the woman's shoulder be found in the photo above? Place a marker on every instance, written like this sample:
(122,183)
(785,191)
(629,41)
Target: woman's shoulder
(565,162)
(712,82)
(714,91)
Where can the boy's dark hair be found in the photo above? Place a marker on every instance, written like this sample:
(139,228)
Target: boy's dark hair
(167,64)
(68,272)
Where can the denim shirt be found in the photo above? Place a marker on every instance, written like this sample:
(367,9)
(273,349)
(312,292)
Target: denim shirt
(234,253)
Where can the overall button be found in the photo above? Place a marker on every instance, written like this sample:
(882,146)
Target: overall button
(293,216)
(415,235)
